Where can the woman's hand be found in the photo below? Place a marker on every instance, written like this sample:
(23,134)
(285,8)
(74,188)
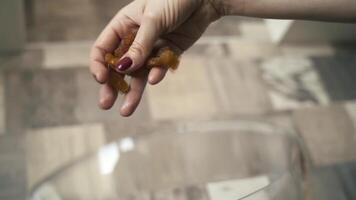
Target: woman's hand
(176,23)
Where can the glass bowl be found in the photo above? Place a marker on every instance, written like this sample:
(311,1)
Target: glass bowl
(204,160)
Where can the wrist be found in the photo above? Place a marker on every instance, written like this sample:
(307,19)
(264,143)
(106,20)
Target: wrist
(228,7)
(210,9)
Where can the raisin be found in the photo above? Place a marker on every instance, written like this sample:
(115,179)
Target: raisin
(117,81)
(165,57)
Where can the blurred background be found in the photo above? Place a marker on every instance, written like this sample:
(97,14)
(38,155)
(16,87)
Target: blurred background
(294,74)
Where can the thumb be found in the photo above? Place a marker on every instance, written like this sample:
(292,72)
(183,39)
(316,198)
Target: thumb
(141,48)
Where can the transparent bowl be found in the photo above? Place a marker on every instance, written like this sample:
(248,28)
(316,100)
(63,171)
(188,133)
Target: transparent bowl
(205,160)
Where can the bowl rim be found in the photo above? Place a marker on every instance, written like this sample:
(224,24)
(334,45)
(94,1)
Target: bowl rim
(204,126)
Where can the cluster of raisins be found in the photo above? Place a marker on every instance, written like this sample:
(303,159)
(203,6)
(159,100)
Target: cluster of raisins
(165,57)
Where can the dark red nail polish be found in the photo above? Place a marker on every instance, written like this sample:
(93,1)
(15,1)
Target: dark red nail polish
(124,64)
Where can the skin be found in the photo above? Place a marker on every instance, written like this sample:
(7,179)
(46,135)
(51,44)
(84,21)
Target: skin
(321,10)
(179,24)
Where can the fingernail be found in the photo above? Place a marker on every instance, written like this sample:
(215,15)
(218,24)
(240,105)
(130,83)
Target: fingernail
(124,64)
(125,106)
(94,76)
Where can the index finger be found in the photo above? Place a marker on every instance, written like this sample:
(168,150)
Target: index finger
(124,22)
(106,42)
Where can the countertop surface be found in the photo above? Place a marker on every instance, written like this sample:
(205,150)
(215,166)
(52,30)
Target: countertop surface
(48,100)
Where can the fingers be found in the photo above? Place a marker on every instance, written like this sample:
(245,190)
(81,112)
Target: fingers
(133,98)
(106,42)
(110,38)
(146,37)
(107,97)
(156,75)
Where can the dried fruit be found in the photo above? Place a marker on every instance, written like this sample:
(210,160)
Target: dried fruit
(125,44)
(117,81)
(165,57)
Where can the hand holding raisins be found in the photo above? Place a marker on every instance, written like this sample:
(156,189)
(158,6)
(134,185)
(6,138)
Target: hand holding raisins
(162,58)
(173,24)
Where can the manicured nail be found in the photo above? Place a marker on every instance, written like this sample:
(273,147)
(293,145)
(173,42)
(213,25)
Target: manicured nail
(124,64)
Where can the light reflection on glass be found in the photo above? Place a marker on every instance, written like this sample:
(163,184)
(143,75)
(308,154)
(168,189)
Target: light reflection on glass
(126,144)
(238,188)
(47,191)
(109,155)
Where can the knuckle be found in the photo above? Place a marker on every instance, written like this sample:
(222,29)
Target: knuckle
(152,16)
(137,49)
